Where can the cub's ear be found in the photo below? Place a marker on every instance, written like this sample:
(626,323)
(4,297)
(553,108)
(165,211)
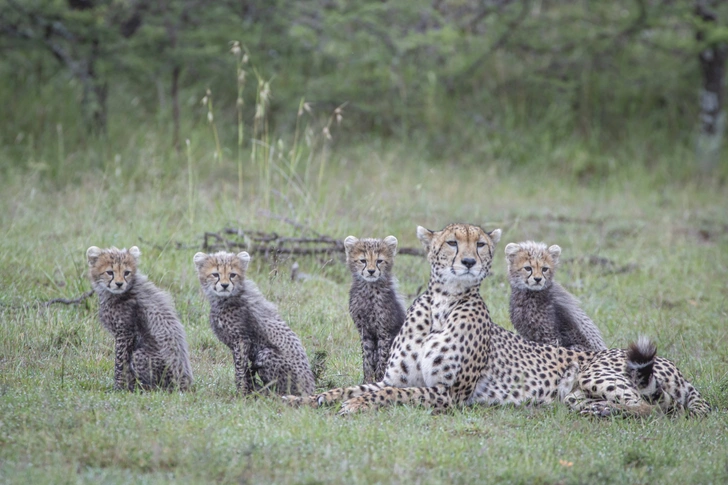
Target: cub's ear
(555,252)
(349,243)
(92,254)
(391,243)
(425,236)
(495,235)
(199,259)
(244,259)
(512,250)
(134,251)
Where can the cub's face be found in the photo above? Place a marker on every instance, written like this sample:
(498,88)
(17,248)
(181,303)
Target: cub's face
(531,265)
(460,254)
(112,269)
(370,259)
(221,274)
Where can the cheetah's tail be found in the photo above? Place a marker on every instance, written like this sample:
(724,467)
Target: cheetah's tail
(640,363)
(697,406)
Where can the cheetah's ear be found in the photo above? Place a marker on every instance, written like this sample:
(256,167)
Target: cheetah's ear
(134,251)
(391,243)
(349,243)
(425,236)
(555,252)
(199,259)
(511,251)
(244,259)
(92,254)
(495,235)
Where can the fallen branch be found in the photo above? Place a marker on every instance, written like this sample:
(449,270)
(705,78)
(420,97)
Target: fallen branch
(273,244)
(606,263)
(66,301)
(46,304)
(565,219)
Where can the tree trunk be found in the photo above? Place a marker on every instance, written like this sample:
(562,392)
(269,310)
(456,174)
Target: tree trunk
(172,24)
(712,116)
(176,71)
(93,100)
(95,91)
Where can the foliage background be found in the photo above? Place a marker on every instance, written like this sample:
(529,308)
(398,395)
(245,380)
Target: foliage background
(600,85)
(129,122)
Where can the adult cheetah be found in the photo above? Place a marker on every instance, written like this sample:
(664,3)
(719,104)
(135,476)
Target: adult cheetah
(450,352)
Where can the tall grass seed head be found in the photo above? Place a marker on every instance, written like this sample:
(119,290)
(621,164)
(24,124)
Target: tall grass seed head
(235,49)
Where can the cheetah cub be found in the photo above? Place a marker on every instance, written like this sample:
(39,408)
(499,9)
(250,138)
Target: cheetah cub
(151,346)
(541,309)
(374,304)
(249,324)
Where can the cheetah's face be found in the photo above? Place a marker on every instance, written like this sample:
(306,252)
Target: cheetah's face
(531,265)
(221,274)
(460,254)
(370,259)
(112,269)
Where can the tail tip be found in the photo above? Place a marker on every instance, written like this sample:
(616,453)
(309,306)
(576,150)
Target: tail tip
(642,351)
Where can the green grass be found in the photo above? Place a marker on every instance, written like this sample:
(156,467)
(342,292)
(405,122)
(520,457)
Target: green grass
(60,422)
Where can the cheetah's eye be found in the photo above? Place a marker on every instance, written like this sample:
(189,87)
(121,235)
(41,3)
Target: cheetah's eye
(233,275)
(481,244)
(216,275)
(528,268)
(110,273)
(545,270)
(127,272)
(379,261)
(363,261)
(452,243)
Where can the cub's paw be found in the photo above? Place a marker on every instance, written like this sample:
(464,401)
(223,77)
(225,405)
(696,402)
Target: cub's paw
(354,405)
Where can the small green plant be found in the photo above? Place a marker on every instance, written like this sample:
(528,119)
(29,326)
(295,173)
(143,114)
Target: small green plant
(291,171)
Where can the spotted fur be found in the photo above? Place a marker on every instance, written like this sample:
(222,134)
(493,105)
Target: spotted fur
(374,304)
(435,358)
(450,352)
(262,344)
(150,342)
(541,309)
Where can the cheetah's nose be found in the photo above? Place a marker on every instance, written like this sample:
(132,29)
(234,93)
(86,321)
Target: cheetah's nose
(224,285)
(537,280)
(119,284)
(371,271)
(468,262)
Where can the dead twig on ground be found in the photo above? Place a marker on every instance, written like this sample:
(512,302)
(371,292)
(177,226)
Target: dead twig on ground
(65,301)
(268,244)
(46,304)
(609,266)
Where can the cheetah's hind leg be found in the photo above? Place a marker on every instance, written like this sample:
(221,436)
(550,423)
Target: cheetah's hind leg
(332,396)
(437,397)
(602,408)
